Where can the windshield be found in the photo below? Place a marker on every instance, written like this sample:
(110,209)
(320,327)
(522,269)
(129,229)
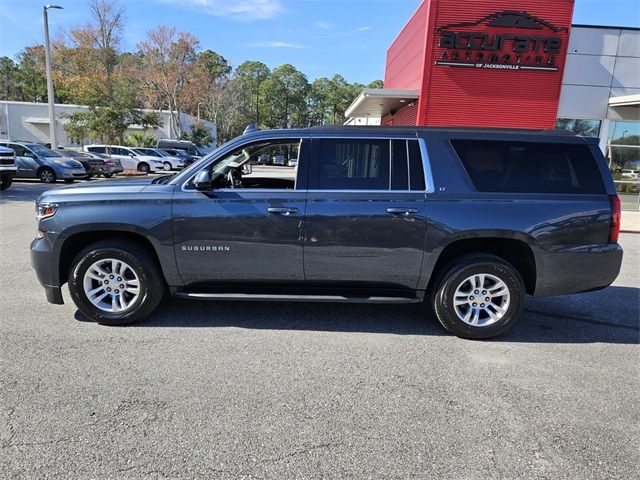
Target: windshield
(41,151)
(163,152)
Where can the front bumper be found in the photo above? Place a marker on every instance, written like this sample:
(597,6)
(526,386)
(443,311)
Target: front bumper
(42,261)
(76,173)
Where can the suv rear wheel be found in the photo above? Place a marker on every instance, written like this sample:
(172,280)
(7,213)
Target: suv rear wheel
(144,167)
(115,282)
(479,296)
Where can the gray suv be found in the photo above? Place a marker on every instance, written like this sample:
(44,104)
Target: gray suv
(466,221)
(37,161)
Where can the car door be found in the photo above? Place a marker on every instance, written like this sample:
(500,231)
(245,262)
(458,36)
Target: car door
(123,155)
(26,161)
(240,235)
(366,213)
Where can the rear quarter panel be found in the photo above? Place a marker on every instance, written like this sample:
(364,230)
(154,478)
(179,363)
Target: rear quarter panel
(563,231)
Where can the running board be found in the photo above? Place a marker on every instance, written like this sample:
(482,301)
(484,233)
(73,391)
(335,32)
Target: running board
(249,297)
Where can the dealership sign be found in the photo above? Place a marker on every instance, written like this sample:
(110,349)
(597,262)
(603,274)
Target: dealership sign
(485,44)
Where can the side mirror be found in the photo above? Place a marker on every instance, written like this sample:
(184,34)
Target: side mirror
(131,155)
(203,180)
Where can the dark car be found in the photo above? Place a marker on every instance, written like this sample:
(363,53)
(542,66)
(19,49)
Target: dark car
(112,166)
(182,154)
(93,166)
(466,221)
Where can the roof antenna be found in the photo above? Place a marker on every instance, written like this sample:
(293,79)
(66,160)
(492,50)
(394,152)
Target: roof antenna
(250,129)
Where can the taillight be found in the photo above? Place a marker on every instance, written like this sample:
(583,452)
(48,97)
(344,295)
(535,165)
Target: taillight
(110,164)
(616,214)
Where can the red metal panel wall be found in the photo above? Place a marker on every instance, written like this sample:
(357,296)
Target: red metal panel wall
(406,116)
(405,56)
(489,97)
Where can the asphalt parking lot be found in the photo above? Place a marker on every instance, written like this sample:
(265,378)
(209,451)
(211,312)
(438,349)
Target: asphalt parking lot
(231,390)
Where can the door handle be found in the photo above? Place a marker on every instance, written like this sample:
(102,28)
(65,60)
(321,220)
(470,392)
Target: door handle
(402,211)
(282,211)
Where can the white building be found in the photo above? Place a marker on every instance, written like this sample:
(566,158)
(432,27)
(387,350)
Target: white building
(29,122)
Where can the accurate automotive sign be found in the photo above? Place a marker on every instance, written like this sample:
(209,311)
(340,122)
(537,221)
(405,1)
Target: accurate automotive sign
(485,44)
(486,63)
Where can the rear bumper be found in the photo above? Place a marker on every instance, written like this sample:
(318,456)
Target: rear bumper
(578,270)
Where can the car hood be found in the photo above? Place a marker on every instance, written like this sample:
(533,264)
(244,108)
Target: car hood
(98,187)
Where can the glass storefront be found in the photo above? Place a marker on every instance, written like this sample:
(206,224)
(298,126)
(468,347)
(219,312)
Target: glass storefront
(623,155)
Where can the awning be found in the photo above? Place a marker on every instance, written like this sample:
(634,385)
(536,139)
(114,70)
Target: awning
(378,102)
(625,101)
(36,120)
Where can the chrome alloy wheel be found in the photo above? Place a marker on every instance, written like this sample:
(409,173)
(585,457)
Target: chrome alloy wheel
(481,300)
(111,285)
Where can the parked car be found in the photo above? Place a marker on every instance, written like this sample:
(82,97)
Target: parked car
(628,173)
(36,161)
(264,160)
(171,162)
(279,160)
(8,167)
(183,154)
(293,162)
(189,147)
(468,221)
(129,158)
(93,166)
(112,166)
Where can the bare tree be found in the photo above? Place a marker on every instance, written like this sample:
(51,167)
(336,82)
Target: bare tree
(168,58)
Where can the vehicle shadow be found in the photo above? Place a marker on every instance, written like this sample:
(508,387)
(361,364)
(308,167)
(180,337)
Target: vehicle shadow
(27,190)
(584,318)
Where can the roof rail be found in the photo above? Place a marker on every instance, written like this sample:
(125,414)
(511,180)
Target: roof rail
(250,129)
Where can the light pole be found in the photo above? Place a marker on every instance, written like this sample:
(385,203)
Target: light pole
(47,51)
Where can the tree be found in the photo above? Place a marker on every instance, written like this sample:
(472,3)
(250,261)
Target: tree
(199,135)
(285,97)
(140,139)
(8,79)
(376,84)
(168,58)
(250,76)
(30,78)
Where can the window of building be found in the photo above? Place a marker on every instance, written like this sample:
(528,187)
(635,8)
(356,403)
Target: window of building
(586,128)
(624,146)
(530,167)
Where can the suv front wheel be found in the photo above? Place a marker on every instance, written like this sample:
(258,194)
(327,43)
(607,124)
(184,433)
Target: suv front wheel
(115,282)
(479,296)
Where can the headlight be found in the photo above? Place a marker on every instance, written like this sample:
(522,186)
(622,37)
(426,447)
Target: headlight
(46,210)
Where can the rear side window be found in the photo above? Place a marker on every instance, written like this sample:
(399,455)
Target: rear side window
(530,167)
(339,164)
(96,149)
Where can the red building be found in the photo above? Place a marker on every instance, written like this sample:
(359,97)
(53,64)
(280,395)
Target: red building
(489,63)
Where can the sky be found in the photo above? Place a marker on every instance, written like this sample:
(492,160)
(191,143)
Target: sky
(319,37)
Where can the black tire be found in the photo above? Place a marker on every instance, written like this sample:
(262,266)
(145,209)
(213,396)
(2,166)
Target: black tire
(144,167)
(68,180)
(6,182)
(47,175)
(168,166)
(108,175)
(453,276)
(151,281)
